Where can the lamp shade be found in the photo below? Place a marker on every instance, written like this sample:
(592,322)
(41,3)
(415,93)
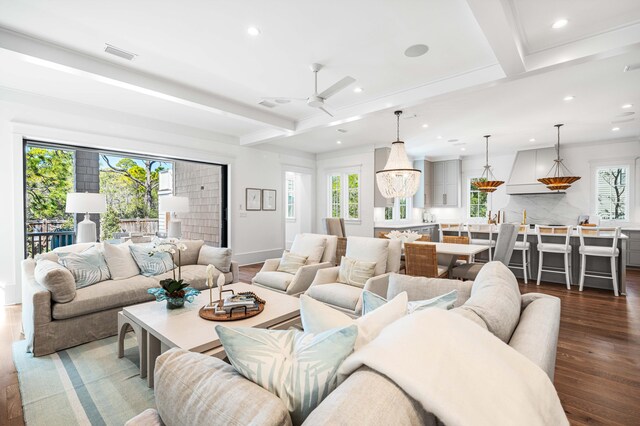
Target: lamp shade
(86,202)
(171,203)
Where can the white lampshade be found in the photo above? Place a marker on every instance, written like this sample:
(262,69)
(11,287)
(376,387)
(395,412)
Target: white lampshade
(86,202)
(171,203)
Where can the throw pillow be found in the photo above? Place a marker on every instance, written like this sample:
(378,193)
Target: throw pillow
(87,267)
(119,260)
(190,255)
(371,250)
(317,318)
(299,368)
(291,262)
(216,256)
(151,264)
(57,279)
(310,245)
(371,302)
(355,272)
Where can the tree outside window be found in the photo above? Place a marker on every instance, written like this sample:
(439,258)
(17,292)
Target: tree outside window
(354,195)
(477,200)
(403,208)
(344,197)
(611,193)
(336,195)
(291,198)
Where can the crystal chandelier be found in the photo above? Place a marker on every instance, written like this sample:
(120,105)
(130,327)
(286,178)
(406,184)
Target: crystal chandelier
(398,179)
(559,177)
(487,182)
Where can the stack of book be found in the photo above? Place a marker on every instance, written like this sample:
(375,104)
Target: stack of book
(238,301)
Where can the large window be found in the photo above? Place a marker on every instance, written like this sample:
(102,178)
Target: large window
(477,200)
(344,195)
(612,193)
(291,197)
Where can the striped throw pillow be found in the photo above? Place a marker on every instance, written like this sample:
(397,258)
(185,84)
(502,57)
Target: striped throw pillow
(87,267)
(291,262)
(355,272)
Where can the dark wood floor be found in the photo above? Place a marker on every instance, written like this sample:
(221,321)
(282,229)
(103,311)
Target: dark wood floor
(597,369)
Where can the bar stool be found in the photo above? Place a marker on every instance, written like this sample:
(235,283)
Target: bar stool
(487,229)
(523,246)
(611,252)
(455,227)
(564,249)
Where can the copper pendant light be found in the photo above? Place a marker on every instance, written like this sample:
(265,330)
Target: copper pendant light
(487,182)
(559,177)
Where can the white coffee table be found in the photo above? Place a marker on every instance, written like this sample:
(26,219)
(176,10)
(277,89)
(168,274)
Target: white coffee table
(183,328)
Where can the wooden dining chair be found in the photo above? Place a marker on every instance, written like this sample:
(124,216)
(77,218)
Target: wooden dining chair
(453,239)
(421,260)
(341,249)
(425,237)
(383,234)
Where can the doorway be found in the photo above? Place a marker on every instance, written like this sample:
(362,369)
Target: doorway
(298,205)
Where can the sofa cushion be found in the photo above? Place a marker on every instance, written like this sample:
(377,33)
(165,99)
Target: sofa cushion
(300,368)
(369,250)
(195,275)
(148,417)
(310,245)
(151,263)
(371,302)
(274,279)
(355,272)
(119,260)
(57,279)
(291,262)
(190,255)
(195,389)
(87,267)
(318,317)
(422,288)
(495,297)
(471,316)
(219,257)
(106,295)
(340,295)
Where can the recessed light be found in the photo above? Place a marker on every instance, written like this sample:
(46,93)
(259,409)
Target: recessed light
(627,106)
(463,149)
(253,31)
(338,142)
(532,140)
(358,89)
(439,137)
(615,129)
(560,23)
(568,98)
(388,105)
(416,50)
(425,125)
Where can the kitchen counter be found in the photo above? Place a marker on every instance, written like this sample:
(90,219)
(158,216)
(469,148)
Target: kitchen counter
(385,225)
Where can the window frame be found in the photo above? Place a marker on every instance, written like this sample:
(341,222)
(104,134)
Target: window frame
(396,211)
(627,193)
(469,204)
(344,203)
(290,192)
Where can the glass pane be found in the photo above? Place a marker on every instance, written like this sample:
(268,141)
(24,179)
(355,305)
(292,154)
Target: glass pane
(482,211)
(388,213)
(473,211)
(353,181)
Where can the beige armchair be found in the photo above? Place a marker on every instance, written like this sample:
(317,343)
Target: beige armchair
(321,252)
(348,298)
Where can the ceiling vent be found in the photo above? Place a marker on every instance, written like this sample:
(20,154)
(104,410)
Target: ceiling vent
(632,67)
(624,120)
(267,104)
(119,52)
(343,130)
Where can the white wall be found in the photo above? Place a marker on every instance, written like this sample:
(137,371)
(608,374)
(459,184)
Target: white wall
(304,193)
(363,159)
(253,236)
(579,158)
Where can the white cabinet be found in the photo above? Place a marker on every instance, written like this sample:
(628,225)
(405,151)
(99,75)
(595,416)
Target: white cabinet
(446,183)
(423,198)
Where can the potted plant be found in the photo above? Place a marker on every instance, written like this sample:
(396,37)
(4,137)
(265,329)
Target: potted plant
(174,291)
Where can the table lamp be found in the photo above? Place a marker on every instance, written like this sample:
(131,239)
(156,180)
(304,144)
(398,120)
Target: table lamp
(173,204)
(86,202)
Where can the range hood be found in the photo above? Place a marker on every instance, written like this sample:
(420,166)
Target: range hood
(528,167)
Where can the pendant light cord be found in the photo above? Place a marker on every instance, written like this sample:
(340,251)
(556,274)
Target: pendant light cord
(398,113)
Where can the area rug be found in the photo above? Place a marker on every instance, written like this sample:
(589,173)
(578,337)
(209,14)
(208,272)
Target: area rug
(85,385)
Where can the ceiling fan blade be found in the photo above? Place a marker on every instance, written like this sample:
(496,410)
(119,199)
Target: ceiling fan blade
(327,93)
(322,108)
(283,99)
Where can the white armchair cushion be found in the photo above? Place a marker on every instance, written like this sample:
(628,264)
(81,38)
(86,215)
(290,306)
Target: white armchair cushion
(340,295)
(355,272)
(274,279)
(291,262)
(317,318)
(310,245)
(369,250)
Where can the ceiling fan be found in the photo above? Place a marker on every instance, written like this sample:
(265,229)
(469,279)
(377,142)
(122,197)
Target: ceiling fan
(317,99)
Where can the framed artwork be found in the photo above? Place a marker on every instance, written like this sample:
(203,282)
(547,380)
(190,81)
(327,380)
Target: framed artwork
(254,199)
(269,199)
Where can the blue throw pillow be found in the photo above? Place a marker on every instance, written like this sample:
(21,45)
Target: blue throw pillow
(87,267)
(371,301)
(149,264)
(299,368)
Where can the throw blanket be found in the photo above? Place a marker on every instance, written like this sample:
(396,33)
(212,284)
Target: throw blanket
(461,373)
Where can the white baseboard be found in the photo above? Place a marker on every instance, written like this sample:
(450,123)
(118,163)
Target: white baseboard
(250,258)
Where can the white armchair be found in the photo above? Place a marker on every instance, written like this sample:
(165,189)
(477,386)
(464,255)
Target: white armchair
(348,298)
(321,252)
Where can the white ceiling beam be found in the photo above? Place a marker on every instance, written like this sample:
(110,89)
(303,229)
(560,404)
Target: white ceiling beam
(402,99)
(498,25)
(56,57)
